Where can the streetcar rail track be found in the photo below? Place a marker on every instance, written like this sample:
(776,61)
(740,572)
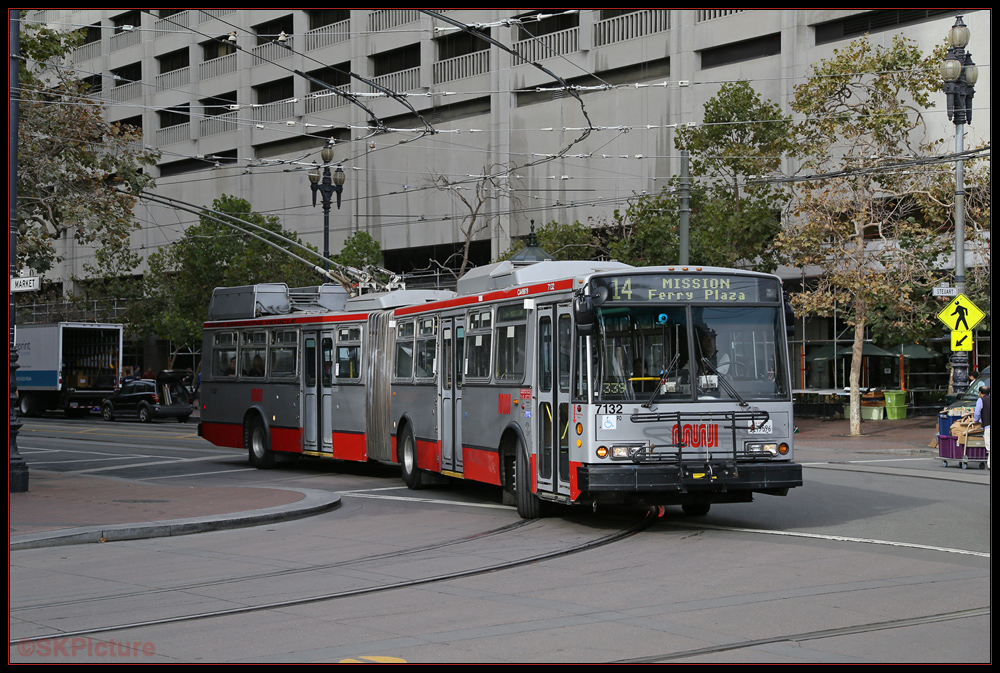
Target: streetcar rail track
(283,572)
(647,521)
(812,635)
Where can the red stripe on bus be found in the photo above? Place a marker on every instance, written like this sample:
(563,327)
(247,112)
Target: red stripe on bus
(429,455)
(534,473)
(497,295)
(223,434)
(574,485)
(286,439)
(481,465)
(349,446)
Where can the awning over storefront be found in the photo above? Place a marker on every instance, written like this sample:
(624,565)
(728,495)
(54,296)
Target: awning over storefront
(915,352)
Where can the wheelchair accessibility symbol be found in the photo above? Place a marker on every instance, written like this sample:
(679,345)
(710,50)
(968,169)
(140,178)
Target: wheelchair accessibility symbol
(608,423)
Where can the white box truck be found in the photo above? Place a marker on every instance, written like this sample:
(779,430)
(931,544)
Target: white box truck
(68,366)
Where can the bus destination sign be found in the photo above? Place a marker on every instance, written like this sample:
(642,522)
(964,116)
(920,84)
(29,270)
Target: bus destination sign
(683,288)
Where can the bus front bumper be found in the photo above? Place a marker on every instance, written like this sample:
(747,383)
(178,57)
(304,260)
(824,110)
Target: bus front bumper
(695,477)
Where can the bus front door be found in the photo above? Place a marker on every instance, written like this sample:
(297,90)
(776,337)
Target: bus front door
(552,383)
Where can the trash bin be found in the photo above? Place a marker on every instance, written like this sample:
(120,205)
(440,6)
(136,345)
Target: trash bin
(944,424)
(895,398)
(871,413)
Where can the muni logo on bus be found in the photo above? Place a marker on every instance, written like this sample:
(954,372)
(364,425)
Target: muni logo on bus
(696,435)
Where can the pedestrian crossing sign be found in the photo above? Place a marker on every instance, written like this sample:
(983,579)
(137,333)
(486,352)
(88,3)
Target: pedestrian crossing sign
(961,315)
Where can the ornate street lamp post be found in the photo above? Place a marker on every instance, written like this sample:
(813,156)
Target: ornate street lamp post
(17,469)
(329,185)
(959,74)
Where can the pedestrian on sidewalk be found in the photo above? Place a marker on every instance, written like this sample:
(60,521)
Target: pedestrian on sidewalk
(982,416)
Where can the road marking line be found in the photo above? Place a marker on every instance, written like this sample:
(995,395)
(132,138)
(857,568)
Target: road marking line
(834,538)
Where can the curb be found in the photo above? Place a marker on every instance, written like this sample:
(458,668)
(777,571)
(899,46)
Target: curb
(315,502)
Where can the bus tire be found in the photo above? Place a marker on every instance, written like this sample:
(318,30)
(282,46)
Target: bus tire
(696,508)
(528,504)
(408,459)
(258,444)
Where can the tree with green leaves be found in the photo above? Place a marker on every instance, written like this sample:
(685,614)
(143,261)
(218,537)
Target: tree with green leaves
(734,210)
(360,250)
(77,174)
(181,278)
(859,227)
(563,242)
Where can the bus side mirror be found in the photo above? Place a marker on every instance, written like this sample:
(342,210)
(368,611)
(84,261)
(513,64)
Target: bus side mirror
(585,315)
(789,317)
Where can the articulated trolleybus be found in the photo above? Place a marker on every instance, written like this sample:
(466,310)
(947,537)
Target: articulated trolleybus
(570,382)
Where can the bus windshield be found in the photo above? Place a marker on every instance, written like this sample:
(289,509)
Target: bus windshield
(690,354)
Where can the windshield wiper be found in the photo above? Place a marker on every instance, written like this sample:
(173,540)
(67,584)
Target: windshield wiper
(663,379)
(724,382)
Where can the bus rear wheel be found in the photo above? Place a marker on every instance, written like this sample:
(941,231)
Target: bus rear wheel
(258,446)
(408,460)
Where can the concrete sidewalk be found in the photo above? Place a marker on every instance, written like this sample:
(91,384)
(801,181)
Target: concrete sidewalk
(71,509)
(68,509)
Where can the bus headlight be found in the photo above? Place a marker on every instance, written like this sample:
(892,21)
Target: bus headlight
(602,452)
(762,449)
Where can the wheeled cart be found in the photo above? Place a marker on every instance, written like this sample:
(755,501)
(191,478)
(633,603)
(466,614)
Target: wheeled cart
(973,451)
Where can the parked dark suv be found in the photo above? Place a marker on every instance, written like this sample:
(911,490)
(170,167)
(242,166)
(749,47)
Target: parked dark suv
(145,399)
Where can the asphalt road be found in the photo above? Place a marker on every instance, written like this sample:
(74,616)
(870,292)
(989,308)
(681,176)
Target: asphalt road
(878,558)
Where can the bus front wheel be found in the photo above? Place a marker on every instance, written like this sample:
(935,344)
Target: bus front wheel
(528,504)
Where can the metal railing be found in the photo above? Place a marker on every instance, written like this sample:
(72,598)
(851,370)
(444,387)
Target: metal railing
(383,19)
(326,100)
(709,14)
(124,40)
(173,134)
(173,79)
(631,25)
(217,67)
(546,46)
(451,69)
(404,80)
(86,52)
(324,36)
(272,51)
(171,24)
(272,112)
(124,92)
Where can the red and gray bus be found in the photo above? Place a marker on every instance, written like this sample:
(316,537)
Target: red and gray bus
(572,382)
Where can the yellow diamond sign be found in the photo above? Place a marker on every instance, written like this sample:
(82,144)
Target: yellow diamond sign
(961,315)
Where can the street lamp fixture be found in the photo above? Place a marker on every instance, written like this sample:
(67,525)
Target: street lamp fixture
(960,75)
(327,184)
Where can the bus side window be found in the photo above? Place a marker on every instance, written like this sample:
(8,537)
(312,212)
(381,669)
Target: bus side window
(253,353)
(347,366)
(224,354)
